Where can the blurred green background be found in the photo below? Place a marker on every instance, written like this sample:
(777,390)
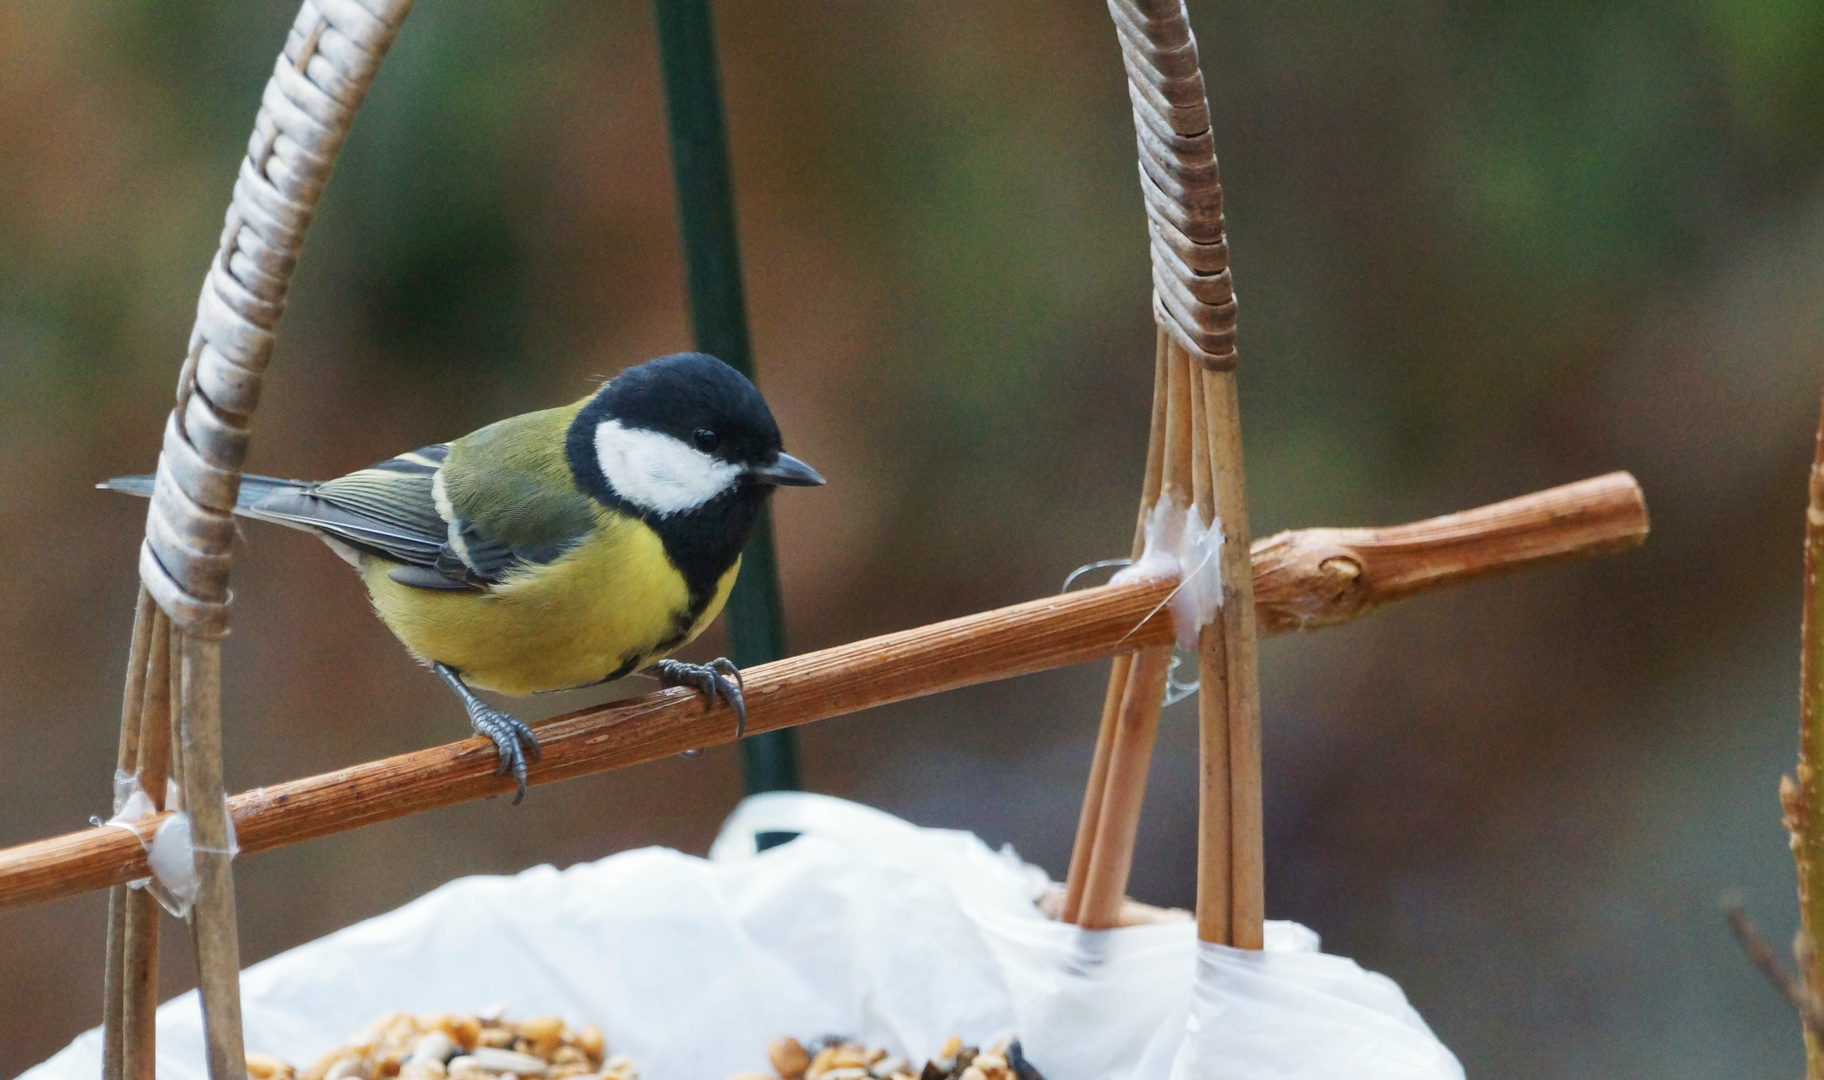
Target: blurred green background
(1480,248)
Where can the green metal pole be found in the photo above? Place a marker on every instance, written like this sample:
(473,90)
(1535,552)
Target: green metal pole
(718,311)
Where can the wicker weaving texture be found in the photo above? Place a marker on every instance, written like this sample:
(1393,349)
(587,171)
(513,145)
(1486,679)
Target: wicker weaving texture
(1193,295)
(330,57)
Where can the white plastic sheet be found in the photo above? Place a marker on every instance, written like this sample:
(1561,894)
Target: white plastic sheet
(864,926)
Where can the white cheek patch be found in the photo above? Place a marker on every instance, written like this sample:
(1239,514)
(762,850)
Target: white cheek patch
(657,472)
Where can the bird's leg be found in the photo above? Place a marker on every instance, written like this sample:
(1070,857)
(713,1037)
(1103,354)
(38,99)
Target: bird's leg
(513,740)
(718,678)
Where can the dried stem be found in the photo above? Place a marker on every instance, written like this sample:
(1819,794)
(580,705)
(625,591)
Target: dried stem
(1018,640)
(1804,809)
(1803,1002)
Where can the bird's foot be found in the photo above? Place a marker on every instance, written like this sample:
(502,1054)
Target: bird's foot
(512,739)
(718,678)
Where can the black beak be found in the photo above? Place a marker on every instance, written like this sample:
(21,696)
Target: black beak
(788,471)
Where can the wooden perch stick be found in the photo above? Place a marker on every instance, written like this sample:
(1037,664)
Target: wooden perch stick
(1019,640)
(1342,574)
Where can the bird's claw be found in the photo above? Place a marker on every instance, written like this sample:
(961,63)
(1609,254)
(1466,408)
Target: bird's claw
(512,739)
(719,678)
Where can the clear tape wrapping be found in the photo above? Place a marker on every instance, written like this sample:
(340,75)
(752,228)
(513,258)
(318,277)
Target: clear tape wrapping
(171,853)
(1177,545)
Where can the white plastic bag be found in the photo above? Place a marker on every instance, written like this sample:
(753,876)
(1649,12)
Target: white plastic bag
(864,926)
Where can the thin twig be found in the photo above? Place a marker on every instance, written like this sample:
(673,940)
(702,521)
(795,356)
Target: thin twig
(1784,981)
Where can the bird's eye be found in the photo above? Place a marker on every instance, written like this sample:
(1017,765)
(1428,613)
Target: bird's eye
(706,440)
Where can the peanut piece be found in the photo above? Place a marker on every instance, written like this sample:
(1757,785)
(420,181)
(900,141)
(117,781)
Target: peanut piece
(591,1042)
(788,1057)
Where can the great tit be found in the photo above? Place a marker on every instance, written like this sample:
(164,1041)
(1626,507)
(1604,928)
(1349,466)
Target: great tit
(561,548)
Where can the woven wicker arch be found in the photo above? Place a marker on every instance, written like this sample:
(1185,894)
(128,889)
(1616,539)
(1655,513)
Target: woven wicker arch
(171,715)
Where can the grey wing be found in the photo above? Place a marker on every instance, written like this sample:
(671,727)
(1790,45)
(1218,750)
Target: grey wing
(389,510)
(394,510)
(488,559)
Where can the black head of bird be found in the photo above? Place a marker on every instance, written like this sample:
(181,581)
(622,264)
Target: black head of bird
(682,435)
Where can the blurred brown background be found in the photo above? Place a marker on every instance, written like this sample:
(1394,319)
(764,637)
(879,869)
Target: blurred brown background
(1481,249)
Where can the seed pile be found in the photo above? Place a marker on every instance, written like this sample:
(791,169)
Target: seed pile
(400,1046)
(833,1058)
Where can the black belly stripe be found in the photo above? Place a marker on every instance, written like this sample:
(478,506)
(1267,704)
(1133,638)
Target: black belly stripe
(627,667)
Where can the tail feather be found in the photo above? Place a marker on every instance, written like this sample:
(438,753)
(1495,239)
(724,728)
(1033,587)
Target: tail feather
(253,488)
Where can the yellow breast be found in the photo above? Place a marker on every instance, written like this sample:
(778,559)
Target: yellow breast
(611,605)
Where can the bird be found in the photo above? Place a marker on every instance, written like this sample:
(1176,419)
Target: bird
(557,549)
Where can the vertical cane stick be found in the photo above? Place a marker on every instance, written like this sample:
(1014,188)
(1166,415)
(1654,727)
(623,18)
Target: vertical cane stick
(140,986)
(1239,702)
(213,926)
(1130,743)
(1214,844)
(126,760)
(1213,840)
(1125,792)
(1121,669)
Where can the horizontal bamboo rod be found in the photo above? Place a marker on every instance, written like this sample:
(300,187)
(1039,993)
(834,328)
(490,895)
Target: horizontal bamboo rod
(1591,517)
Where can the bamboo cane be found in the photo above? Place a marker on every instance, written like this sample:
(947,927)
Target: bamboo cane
(1235,712)
(213,926)
(126,761)
(1124,791)
(1120,671)
(1130,742)
(1215,845)
(140,986)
